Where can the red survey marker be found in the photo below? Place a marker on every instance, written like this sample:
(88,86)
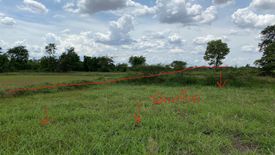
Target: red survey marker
(137,116)
(221,83)
(45,121)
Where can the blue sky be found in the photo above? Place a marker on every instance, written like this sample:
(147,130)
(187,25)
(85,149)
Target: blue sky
(160,30)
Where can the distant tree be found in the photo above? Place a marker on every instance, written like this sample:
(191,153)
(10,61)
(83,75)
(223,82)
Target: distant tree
(4,62)
(33,65)
(177,65)
(122,67)
(87,63)
(267,46)
(18,57)
(137,61)
(51,49)
(216,52)
(69,61)
(106,64)
(49,62)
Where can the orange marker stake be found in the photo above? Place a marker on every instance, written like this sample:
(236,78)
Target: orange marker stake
(45,121)
(137,116)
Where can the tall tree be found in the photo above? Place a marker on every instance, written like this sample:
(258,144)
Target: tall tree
(49,63)
(18,57)
(267,37)
(137,61)
(51,49)
(69,61)
(87,64)
(267,46)
(216,52)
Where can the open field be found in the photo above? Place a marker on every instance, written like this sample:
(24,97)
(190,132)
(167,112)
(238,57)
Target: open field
(231,120)
(15,80)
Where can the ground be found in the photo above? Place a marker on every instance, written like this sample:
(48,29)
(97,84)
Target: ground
(100,120)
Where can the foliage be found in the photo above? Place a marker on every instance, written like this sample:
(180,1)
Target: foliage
(152,69)
(33,65)
(268,37)
(89,64)
(216,52)
(122,67)
(137,61)
(178,65)
(48,63)
(50,49)
(69,61)
(18,57)
(4,63)
(98,64)
(105,64)
(267,46)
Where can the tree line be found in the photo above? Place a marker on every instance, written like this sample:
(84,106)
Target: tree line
(17,59)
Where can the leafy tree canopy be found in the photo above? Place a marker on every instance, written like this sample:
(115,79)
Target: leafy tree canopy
(50,49)
(18,57)
(178,65)
(267,46)
(216,52)
(137,61)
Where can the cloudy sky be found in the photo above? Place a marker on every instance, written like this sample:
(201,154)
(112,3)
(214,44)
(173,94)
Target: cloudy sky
(160,30)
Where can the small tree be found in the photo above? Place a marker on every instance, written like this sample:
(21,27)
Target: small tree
(267,46)
(137,61)
(177,65)
(216,52)
(18,57)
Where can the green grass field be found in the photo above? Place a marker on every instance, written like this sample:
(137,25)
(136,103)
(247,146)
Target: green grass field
(100,120)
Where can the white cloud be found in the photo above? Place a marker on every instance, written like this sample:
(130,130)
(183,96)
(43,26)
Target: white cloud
(3,45)
(52,38)
(94,6)
(205,39)
(6,20)
(135,9)
(183,11)
(57,1)
(65,31)
(221,2)
(33,7)
(175,39)
(70,7)
(249,48)
(118,32)
(246,18)
(263,4)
